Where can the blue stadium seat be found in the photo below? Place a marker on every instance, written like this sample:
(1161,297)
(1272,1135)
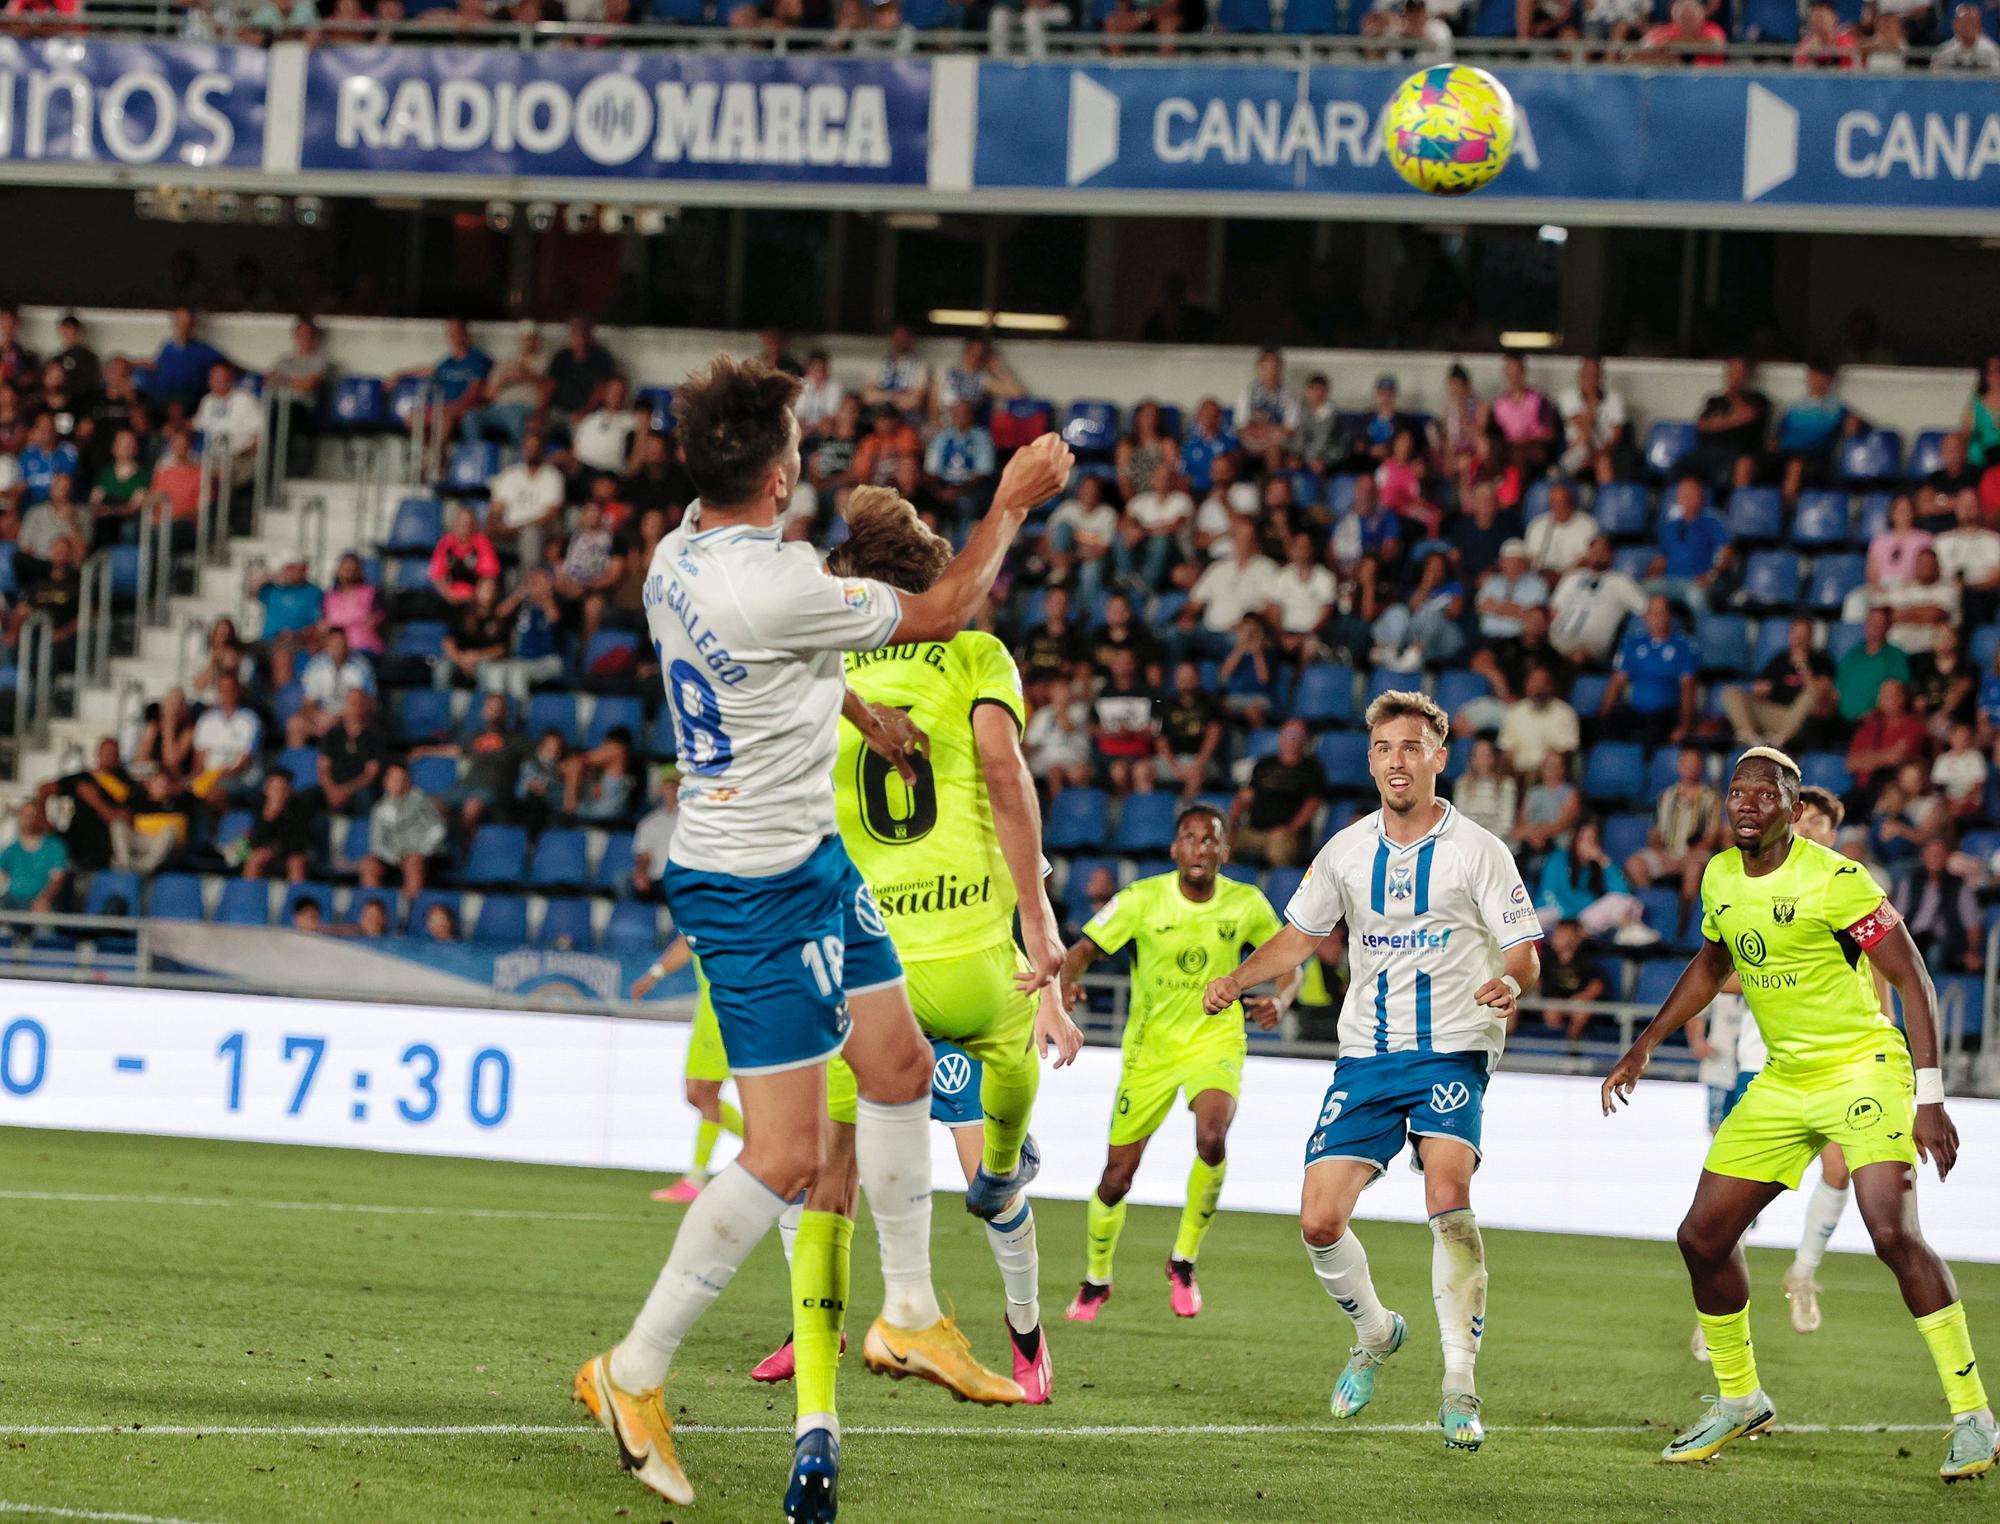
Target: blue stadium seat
(634,928)
(1456,687)
(1343,757)
(1876,456)
(1963,995)
(1873,518)
(1536,502)
(659,742)
(1757,513)
(1634,560)
(1770,21)
(1773,635)
(244,902)
(1145,824)
(561,859)
(1666,442)
(434,775)
(358,405)
(1840,639)
(1282,885)
(554,711)
(1826,769)
(498,855)
(422,715)
(611,659)
(1078,820)
(1724,642)
(418,637)
(1834,577)
(1771,579)
(1615,771)
(1310,17)
(616,712)
(502,918)
(175,897)
(403,399)
(320,894)
(565,923)
(1339,496)
(1822,518)
(1242,16)
(1381,680)
(349,839)
(107,889)
(302,762)
(1021,420)
(417,527)
(1625,833)
(420,909)
(407,574)
(1261,743)
(659,400)
(473,465)
(390,901)
(1308,488)
(1927,454)
(1985,646)
(1496,18)
(10,581)
(614,864)
(233,827)
(1655,982)
(1091,428)
(1325,695)
(1586,694)
(1623,510)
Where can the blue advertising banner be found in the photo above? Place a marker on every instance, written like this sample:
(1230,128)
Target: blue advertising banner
(617,114)
(1586,135)
(132,103)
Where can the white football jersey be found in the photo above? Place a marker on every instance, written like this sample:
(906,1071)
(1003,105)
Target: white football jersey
(1427,925)
(750,629)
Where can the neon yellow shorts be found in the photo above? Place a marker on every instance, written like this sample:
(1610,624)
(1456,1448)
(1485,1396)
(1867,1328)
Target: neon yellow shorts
(706,1059)
(1783,1121)
(1154,1072)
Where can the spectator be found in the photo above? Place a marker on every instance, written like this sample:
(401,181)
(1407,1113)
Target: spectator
(43,458)
(601,784)
(1036,17)
(1056,740)
(659,482)
(514,391)
(1921,607)
(1651,696)
(478,636)
(526,499)
(228,741)
(1590,605)
(960,463)
(1969,557)
(1508,592)
(601,439)
(1888,736)
(329,677)
(350,756)
(291,605)
(1599,426)
(1302,593)
(1826,44)
(1959,773)
(1551,809)
(280,835)
(19,365)
(371,918)
(1476,535)
(98,798)
(1238,583)
(298,382)
(1549,19)
(1538,724)
(1249,673)
(117,405)
(1400,482)
(538,789)
(1525,420)
(654,837)
(1425,627)
(60,402)
(226,653)
(457,382)
(230,418)
(1893,551)
(35,864)
(58,517)
(1209,440)
(405,832)
(14,421)
(1456,433)
(1569,974)
(1144,449)
(902,380)
(57,594)
(1968,47)
(1733,422)
(490,761)
(880,456)
(166,742)
(1943,686)
(1695,557)
(536,655)
(1270,815)
(1955,474)
(1189,732)
(1316,441)
(1122,730)
(181,368)
(577,374)
(1367,545)
(463,558)
(1486,794)
(1868,665)
(1906,813)
(1266,413)
(1505,664)
(1887,48)
(981,377)
(1942,911)
(158,827)
(119,494)
(441,922)
(1810,430)
(354,607)
(1557,539)
(1375,434)
(1155,521)
(1795,690)
(1122,632)
(1676,40)
(820,395)
(1580,883)
(176,490)
(1686,831)
(830,462)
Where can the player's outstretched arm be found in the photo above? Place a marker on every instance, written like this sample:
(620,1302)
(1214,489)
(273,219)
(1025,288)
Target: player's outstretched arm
(887,731)
(1279,958)
(677,957)
(1017,821)
(1036,473)
(1692,994)
(1895,955)
(1076,963)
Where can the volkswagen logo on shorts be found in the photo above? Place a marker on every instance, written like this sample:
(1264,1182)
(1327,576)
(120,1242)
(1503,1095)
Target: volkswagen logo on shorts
(953,1073)
(1449,1097)
(1750,949)
(868,913)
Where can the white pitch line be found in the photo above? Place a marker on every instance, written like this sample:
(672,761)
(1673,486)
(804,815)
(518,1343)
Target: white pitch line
(996,1430)
(46,1511)
(504,1214)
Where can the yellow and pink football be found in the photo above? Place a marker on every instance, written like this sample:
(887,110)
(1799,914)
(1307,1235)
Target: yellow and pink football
(1449,129)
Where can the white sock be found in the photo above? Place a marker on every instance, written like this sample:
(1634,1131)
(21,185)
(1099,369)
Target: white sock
(1011,1237)
(723,1225)
(1823,1209)
(1458,1288)
(1342,1267)
(788,1226)
(892,1147)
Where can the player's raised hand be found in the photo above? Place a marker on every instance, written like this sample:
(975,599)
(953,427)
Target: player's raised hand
(1220,995)
(1617,1087)
(1054,1030)
(1936,1138)
(1263,1010)
(1037,473)
(895,738)
(1041,940)
(643,985)
(1498,997)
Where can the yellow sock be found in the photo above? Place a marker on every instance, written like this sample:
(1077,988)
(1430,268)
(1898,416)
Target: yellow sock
(1102,1225)
(819,1303)
(1203,1191)
(708,1134)
(1951,1349)
(1007,1086)
(732,1120)
(1729,1355)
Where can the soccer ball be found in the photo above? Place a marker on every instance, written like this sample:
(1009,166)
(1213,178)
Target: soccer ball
(1450,129)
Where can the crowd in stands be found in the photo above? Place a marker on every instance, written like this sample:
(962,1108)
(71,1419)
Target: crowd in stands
(1607,608)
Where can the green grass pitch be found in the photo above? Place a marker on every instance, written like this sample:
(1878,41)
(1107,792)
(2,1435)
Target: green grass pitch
(128,1304)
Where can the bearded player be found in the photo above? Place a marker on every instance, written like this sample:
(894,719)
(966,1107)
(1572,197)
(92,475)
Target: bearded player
(1441,938)
(1794,919)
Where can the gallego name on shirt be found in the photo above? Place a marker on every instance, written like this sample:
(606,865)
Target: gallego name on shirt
(668,592)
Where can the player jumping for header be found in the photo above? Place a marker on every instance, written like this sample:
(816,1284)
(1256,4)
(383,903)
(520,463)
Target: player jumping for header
(750,631)
(1441,935)
(1794,918)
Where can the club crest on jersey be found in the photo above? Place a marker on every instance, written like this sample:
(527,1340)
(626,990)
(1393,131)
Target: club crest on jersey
(1402,882)
(1783,908)
(1226,930)
(1449,1097)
